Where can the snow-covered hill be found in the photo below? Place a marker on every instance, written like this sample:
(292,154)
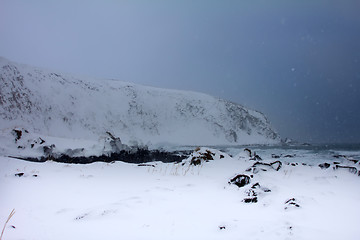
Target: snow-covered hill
(60,105)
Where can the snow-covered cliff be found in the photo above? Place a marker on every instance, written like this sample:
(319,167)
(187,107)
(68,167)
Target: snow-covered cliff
(60,105)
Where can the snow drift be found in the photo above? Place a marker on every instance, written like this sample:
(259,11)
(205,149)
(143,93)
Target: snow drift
(61,105)
(180,201)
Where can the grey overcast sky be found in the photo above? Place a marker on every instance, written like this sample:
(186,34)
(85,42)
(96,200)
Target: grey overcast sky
(297,61)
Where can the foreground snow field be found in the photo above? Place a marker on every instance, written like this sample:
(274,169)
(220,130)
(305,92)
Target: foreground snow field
(182,201)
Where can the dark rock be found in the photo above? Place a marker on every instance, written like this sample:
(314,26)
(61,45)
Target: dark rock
(222,227)
(221,156)
(48,151)
(295,204)
(354,161)
(116,144)
(292,202)
(258,186)
(290,156)
(208,155)
(81,216)
(17,133)
(146,165)
(351,169)
(35,175)
(336,162)
(203,156)
(250,200)
(347,158)
(267,166)
(195,161)
(111,135)
(251,193)
(240,180)
(37,141)
(275,156)
(256,157)
(324,165)
(276,165)
(19,174)
(249,151)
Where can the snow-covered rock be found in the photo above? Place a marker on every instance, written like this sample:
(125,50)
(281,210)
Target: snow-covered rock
(61,105)
(204,154)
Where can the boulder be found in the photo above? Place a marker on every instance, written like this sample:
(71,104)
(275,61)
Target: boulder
(115,144)
(355,161)
(201,155)
(17,134)
(324,165)
(351,169)
(20,174)
(250,200)
(49,151)
(255,157)
(240,180)
(256,167)
(258,186)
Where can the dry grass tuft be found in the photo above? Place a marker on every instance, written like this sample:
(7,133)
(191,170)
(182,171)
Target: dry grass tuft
(11,214)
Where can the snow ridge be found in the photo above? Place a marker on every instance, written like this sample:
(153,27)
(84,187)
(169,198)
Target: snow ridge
(62,105)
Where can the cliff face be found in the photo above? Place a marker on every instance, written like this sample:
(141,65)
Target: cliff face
(66,106)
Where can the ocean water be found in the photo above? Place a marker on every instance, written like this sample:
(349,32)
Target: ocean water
(301,153)
(321,149)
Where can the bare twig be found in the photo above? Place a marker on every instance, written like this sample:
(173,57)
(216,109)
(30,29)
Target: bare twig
(11,214)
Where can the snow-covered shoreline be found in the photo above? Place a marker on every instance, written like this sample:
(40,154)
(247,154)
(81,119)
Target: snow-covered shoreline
(183,201)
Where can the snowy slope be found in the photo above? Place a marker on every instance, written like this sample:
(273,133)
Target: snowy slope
(60,105)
